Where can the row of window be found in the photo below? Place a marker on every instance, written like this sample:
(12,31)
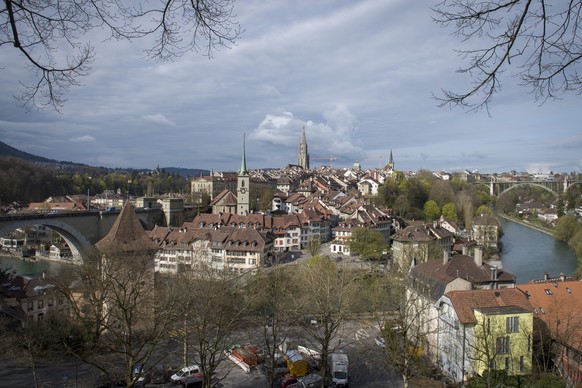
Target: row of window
(40,303)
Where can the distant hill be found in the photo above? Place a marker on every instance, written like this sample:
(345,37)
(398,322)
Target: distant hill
(8,151)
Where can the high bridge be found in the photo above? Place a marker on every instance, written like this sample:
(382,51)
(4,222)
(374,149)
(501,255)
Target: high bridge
(499,187)
(80,229)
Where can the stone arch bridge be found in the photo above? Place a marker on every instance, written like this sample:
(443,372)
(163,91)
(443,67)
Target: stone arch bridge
(81,230)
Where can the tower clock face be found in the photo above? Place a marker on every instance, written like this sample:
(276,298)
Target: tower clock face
(243,190)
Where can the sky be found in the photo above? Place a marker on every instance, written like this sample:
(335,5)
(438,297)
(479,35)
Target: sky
(359,76)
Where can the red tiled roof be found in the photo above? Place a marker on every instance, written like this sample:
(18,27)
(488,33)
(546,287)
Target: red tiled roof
(559,305)
(126,234)
(467,301)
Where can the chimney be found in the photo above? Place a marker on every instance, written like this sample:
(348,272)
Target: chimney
(562,277)
(464,250)
(446,256)
(494,275)
(478,257)
(546,276)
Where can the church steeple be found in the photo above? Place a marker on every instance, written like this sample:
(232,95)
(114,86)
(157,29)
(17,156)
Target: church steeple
(243,186)
(243,164)
(303,159)
(390,165)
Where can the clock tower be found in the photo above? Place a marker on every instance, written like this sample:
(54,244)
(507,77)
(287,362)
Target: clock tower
(243,186)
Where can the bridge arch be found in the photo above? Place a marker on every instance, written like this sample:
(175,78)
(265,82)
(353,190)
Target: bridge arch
(76,240)
(572,184)
(516,185)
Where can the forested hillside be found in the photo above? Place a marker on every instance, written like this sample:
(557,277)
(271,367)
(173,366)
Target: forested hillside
(24,181)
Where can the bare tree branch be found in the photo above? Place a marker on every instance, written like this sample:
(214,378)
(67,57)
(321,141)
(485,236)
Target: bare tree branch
(43,31)
(539,42)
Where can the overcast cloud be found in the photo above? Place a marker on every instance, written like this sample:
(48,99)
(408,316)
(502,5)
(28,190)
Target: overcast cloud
(358,76)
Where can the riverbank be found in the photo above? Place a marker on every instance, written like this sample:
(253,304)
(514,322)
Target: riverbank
(527,224)
(32,268)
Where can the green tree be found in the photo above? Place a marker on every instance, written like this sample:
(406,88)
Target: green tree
(389,191)
(484,209)
(450,212)
(368,243)
(566,227)
(431,210)
(442,192)
(401,206)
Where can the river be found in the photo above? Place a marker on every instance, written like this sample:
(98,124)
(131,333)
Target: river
(29,268)
(528,253)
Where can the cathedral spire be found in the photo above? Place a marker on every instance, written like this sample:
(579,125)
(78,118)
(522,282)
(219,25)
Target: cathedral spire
(391,161)
(243,164)
(303,159)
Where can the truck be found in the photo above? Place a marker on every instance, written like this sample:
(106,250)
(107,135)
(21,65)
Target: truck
(338,369)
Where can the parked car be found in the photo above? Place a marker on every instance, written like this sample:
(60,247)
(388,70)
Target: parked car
(185,373)
(194,381)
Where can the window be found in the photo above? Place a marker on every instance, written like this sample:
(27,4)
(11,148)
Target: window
(521,363)
(29,307)
(506,363)
(40,304)
(503,345)
(512,324)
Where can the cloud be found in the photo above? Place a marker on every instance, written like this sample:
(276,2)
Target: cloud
(158,119)
(83,139)
(335,136)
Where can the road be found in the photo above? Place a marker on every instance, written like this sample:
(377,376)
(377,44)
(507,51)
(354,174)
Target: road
(356,339)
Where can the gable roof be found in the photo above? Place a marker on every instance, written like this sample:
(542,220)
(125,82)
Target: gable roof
(224,198)
(466,302)
(559,305)
(437,274)
(413,233)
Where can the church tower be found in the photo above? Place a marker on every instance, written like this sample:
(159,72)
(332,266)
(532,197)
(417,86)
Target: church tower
(243,181)
(303,159)
(390,165)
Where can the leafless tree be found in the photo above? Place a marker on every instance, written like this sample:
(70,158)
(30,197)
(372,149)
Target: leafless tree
(405,324)
(211,307)
(125,313)
(272,313)
(537,41)
(43,31)
(328,294)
